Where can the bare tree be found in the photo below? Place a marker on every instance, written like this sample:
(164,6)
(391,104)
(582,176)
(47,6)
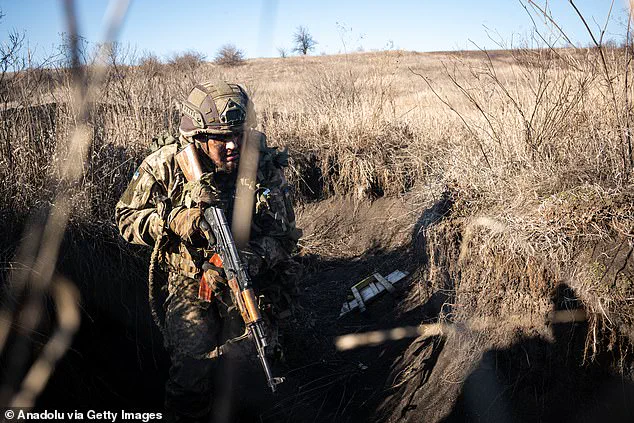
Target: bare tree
(304,41)
(229,55)
(283,52)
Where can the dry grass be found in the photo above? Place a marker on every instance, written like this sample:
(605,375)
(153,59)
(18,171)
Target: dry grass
(533,143)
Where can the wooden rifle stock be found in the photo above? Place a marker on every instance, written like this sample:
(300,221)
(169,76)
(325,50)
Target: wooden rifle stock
(189,163)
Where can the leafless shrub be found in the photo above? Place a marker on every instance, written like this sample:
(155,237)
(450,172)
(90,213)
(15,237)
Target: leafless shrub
(187,61)
(229,55)
(150,65)
(69,44)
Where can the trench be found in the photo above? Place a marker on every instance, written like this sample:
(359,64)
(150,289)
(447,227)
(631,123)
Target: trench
(117,360)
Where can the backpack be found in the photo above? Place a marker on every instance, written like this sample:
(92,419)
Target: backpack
(162,140)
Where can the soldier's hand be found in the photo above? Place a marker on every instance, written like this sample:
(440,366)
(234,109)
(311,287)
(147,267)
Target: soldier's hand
(185,223)
(214,276)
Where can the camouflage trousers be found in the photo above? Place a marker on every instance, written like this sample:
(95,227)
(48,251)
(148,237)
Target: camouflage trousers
(192,331)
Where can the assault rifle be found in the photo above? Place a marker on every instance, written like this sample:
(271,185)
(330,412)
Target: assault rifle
(216,228)
(240,284)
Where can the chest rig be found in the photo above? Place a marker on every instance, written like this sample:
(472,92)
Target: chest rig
(212,189)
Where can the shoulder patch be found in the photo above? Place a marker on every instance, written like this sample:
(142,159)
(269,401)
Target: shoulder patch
(134,189)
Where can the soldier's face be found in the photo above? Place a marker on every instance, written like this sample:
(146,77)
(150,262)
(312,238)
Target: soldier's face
(224,151)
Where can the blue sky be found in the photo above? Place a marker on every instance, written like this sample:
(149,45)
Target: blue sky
(259,27)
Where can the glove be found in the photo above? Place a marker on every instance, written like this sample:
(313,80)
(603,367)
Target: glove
(185,223)
(214,278)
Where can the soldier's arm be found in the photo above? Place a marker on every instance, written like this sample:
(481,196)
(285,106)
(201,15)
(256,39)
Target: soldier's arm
(135,213)
(274,234)
(275,216)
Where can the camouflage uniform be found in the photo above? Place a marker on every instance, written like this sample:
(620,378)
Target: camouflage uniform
(194,328)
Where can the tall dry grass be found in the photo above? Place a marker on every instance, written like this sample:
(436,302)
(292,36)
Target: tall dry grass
(537,140)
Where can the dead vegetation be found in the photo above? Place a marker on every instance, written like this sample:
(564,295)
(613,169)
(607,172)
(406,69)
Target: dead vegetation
(533,145)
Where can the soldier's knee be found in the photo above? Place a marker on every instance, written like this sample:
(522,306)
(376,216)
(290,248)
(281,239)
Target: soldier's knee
(190,336)
(191,326)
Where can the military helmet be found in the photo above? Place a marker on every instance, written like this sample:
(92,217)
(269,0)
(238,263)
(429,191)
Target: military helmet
(216,107)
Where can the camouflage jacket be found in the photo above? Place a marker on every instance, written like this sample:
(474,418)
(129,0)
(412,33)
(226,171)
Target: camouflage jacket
(273,233)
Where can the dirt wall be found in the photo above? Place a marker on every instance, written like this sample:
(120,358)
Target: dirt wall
(508,358)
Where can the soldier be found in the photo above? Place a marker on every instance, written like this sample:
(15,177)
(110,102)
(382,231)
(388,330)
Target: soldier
(161,208)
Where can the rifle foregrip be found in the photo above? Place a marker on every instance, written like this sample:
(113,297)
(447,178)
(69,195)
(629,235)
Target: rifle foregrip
(251,305)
